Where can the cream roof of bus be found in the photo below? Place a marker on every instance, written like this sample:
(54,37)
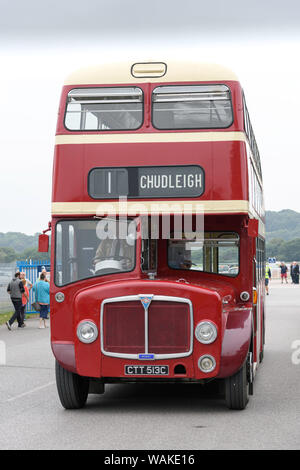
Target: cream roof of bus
(183,71)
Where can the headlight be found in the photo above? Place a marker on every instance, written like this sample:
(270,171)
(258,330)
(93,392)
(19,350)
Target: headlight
(87,331)
(206,364)
(206,332)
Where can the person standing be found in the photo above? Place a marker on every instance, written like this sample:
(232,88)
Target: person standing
(296,273)
(44,271)
(283,272)
(267,278)
(28,286)
(15,289)
(25,298)
(28,282)
(292,271)
(42,296)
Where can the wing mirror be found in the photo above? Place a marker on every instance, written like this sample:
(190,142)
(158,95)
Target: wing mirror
(44,240)
(43,243)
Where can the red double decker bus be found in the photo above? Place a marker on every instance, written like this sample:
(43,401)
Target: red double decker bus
(157,263)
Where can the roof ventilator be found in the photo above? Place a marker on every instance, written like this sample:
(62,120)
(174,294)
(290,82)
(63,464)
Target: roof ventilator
(149,69)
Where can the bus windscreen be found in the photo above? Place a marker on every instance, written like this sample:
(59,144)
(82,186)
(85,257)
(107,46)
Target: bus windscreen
(87,248)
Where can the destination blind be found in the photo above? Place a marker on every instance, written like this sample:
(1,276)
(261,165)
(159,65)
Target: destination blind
(146,182)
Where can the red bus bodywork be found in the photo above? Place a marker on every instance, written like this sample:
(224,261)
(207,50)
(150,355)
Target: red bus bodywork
(224,156)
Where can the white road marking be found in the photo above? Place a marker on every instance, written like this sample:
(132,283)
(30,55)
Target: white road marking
(37,389)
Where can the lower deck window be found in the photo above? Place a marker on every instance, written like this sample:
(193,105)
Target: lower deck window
(217,253)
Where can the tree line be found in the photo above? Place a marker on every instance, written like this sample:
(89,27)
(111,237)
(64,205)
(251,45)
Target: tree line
(15,246)
(283,250)
(8,255)
(283,225)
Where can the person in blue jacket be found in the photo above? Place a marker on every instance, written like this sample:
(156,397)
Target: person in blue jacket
(42,296)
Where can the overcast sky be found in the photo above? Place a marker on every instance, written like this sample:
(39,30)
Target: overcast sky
(43,41)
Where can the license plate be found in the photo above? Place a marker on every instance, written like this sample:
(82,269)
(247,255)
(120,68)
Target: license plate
(146,370)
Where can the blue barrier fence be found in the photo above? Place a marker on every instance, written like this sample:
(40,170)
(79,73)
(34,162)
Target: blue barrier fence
(32,270)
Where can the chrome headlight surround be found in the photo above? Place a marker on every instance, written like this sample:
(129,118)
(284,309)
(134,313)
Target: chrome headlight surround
(244,296)
(206,363)
(206,332)
(59,297)
(87,331)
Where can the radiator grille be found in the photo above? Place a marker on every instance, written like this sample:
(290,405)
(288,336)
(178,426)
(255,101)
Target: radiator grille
(164,329)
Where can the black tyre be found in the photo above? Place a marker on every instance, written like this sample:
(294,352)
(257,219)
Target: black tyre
(72,388)
(261,354)
(237,389)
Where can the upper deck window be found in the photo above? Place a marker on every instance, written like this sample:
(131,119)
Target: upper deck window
(192,107)
(104,109)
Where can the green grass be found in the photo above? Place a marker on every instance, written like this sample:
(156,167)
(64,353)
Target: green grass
(4,317)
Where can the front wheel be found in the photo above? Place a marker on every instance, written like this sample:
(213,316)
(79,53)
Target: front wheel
(72,388)
(237,389)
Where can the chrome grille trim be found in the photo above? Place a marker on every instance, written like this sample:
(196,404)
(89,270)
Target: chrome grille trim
(154,298)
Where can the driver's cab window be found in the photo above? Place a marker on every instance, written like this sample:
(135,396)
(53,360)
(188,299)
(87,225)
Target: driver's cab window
(87,248)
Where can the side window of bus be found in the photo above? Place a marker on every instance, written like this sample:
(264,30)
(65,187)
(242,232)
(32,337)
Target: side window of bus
(192,107)
(104,109)
(260,259)
(217,253)
(251,138)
